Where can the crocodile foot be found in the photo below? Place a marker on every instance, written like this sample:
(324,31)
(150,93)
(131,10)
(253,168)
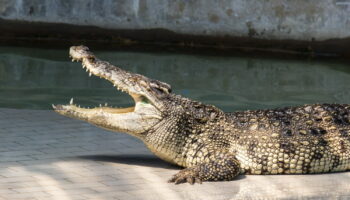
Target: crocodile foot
(190,175)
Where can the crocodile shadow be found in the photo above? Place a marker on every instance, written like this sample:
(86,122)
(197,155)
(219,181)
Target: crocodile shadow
(131,159)
(137,159)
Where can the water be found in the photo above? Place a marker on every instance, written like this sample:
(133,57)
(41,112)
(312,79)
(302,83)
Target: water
(35,78)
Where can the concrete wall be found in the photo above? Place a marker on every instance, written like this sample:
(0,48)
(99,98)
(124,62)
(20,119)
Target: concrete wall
(267,19)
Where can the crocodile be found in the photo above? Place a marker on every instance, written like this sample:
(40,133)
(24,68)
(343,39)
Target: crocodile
(212,145)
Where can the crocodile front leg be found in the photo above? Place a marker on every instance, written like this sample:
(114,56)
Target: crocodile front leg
(220,167)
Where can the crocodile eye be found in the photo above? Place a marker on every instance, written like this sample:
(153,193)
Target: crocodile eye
(159,91)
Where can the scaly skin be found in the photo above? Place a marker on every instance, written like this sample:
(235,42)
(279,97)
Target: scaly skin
(215,146)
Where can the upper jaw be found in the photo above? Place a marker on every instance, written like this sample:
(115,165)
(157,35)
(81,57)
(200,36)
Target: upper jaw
(135,85)
(102,69)
(119,78)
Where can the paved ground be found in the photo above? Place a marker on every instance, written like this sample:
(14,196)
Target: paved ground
(46,156)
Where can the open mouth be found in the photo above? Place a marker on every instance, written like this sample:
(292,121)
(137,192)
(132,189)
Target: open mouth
(134,120)
(118,77)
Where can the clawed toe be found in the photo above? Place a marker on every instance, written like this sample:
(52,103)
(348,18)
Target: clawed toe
(184,176)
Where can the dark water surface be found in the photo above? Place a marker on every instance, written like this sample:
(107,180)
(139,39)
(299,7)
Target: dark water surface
(36,78)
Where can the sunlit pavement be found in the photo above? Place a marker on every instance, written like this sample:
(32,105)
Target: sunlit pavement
(46,156)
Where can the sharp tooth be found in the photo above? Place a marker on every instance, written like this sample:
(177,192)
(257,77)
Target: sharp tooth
(100,105)
(71,101)
(72,60)
(90,74)
(106,104)
(54,107)
(87,69)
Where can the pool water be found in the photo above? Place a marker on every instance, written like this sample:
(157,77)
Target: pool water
(36,78)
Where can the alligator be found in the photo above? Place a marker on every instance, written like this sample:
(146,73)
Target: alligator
(212,145)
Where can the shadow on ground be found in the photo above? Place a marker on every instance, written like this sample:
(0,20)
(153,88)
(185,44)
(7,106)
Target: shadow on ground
(131,159)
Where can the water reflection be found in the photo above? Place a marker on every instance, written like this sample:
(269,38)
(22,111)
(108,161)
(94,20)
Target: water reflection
(35,78)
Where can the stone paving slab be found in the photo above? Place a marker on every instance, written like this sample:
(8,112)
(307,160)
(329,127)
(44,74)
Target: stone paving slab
(46,156)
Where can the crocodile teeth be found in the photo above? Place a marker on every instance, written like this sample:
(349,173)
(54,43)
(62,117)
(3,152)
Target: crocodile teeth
(87,69)
(90,74)
(71,101)
(106,104)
